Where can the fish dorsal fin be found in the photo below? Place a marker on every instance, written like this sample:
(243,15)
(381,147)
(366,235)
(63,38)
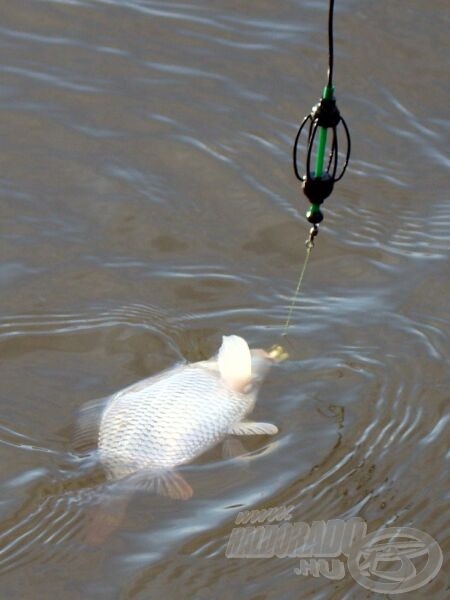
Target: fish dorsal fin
(235,362)
(87,425)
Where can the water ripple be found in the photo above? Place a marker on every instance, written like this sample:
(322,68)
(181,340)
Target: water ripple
(149,208)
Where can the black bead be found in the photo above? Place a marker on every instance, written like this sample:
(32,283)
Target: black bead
(314,215)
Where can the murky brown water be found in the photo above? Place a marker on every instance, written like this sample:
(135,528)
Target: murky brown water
(148,206)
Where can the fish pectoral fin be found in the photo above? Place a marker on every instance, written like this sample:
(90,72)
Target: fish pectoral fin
(167,483)
(233,448)
(173,485)
(253,428)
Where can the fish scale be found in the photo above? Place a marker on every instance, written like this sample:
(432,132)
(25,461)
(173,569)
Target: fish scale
(171,418)
(170,421)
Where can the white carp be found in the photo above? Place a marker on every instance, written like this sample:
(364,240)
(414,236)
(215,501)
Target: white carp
(141,435)
(153,426)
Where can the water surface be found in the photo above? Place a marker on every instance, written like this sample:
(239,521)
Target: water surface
(148,206)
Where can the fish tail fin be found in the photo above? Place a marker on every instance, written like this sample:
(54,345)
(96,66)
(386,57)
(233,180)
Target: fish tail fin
(106,517)
(103,520)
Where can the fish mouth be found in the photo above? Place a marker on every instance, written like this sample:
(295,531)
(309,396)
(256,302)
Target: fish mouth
(277,353)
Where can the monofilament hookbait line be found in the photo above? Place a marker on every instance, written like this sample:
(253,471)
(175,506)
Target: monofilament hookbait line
(309,246)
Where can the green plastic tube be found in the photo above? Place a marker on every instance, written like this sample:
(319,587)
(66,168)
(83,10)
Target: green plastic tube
(320,157)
